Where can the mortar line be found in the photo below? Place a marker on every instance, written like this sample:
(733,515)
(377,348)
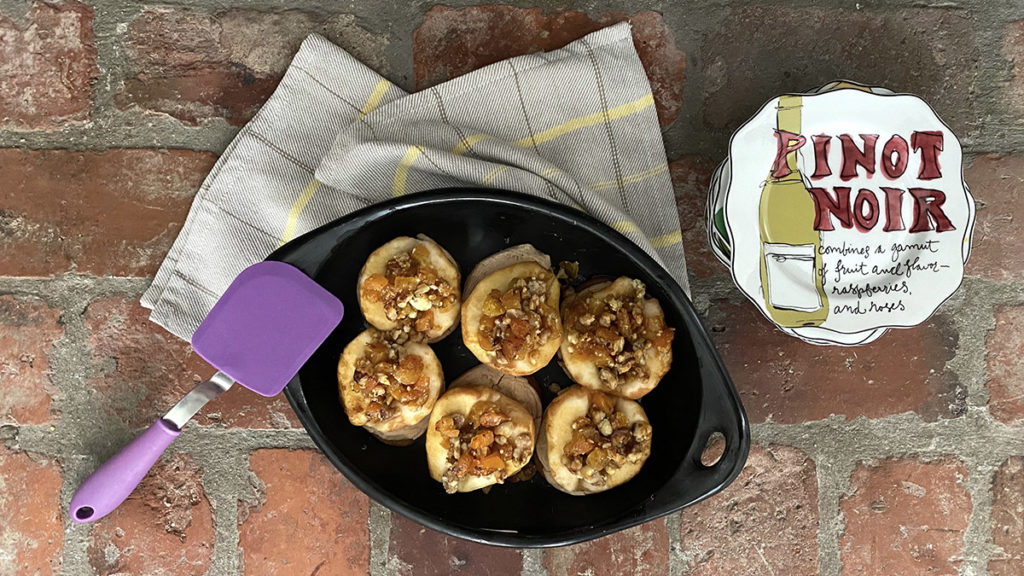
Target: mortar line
(533,562)
(676,560)
(108,18)
(978,546)
(833,481)
(972,321)
(225,483)
(74,557)
(74,410)
(379,524)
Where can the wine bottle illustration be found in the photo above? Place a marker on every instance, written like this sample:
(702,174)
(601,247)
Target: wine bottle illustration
(791,275)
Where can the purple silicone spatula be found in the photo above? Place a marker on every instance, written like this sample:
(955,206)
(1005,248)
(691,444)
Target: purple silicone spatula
(262,330)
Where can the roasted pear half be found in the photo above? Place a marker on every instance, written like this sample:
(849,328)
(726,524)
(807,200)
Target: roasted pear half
(477,437)
(591,441)
(410,288)
(615,339)
(510,318)
(389,388)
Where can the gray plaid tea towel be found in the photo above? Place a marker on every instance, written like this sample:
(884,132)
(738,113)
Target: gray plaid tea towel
(575,125)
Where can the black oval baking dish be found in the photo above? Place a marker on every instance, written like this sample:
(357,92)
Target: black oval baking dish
(695,399)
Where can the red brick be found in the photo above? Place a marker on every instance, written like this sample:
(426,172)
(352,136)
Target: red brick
(28,329)
(194,66)
(640,551)
(905,517)
(765,522)
(453,41)
(771,49)
(786,380)
(144,370)
(691,176)
(1008,519)
(164,527)
(416,550)
(101,213)
(1004,371)
(305,518)
(31,518)
(47,66)
(997,183)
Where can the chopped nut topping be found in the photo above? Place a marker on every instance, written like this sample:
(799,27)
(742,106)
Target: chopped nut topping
(480,444)
(603,441)
(615,335)
(384,378)
(410,290)
(568,271)
(518,322)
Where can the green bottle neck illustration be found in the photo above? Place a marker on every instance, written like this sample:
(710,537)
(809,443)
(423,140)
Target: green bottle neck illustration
(789,121)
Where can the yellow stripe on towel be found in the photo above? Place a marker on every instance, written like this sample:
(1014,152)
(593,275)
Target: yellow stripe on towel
(667,239)
(293,215)
(375,97)
(493,174)
(402,171)
(588,120)
(626,226)
(631,179)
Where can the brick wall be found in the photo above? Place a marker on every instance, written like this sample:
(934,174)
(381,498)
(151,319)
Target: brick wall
(902,457)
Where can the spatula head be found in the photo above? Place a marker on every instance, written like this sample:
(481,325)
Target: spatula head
(266,325)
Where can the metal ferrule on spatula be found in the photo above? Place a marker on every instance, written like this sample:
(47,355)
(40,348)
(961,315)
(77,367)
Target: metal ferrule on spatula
(262,330)
(194,401)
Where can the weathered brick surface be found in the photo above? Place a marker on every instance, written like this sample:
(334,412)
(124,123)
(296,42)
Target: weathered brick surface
(164,528)
(639,551)
(1013,50)
(144,370)
(419,551)
(116,213)
(766,522)
(997,183)
(31,519)
(194,66)
(99,213)
(905,517)
(781,378)
(303,518)
(453,41)
(771,49)
(1004,370)
(691,176)
(28,329)
(1008,519)
(47,66)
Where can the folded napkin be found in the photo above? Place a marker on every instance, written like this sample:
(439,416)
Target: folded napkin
(575,125)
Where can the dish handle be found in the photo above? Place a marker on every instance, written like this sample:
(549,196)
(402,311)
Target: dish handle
(721,413)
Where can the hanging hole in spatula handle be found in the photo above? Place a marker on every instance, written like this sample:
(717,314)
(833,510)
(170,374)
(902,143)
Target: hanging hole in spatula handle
(111,483)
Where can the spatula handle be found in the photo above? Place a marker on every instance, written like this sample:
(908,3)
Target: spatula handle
(112,482)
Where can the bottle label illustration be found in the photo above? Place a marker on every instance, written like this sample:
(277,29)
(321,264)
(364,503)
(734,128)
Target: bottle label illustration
(843,212)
